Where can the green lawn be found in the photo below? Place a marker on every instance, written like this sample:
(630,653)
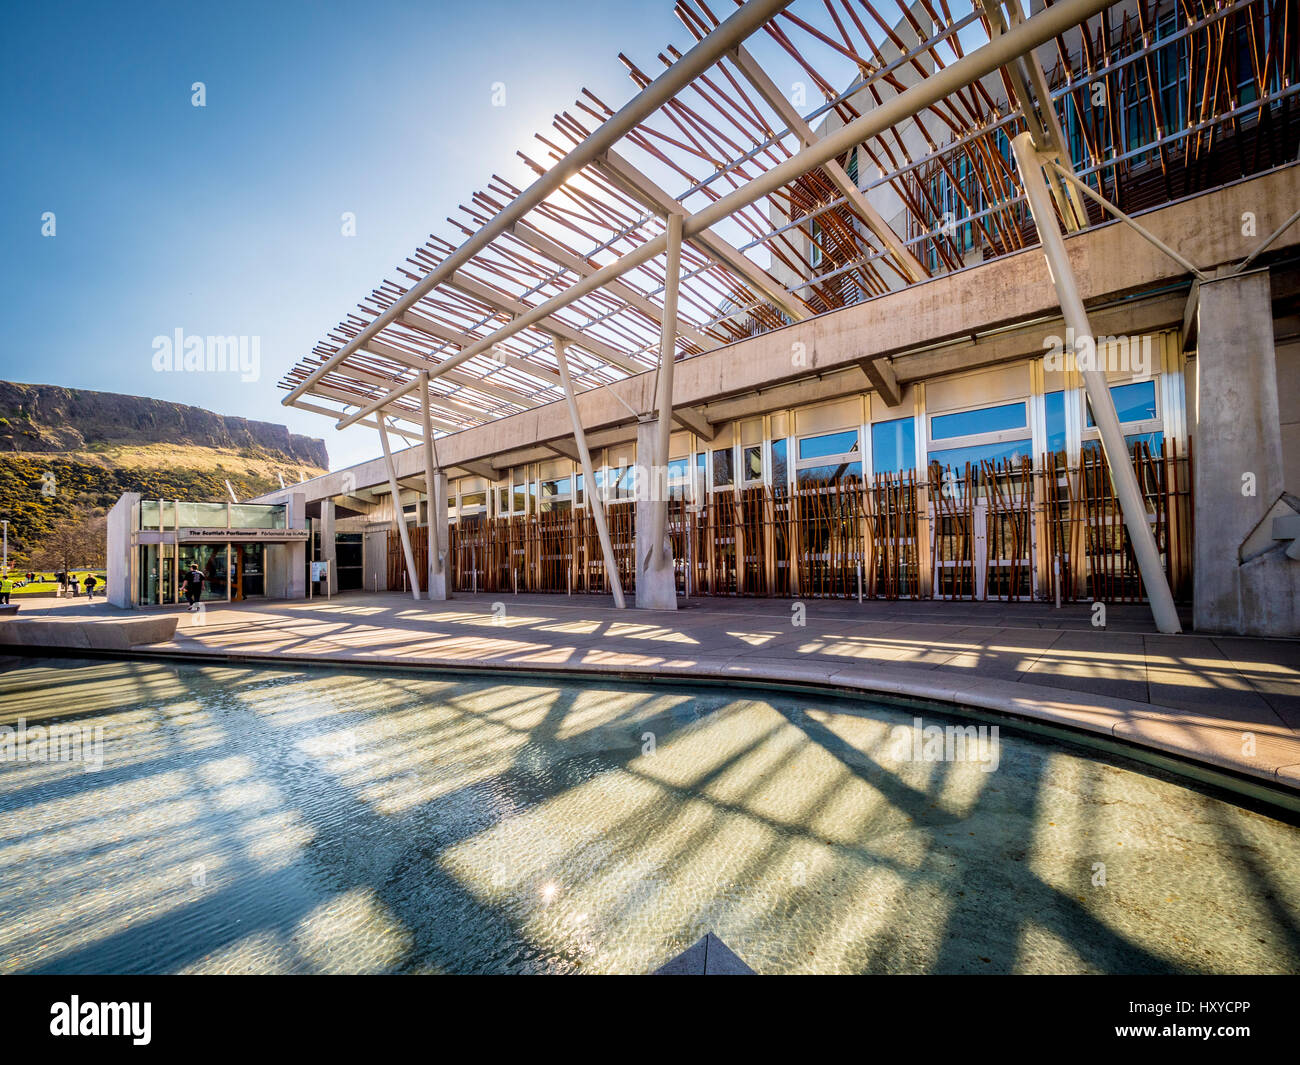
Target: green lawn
(48,587)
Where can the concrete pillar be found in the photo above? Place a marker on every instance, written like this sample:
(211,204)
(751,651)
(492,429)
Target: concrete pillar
(1244,581)
(328,549)
(438,568)
(656,587)
(294,555)
(120,568)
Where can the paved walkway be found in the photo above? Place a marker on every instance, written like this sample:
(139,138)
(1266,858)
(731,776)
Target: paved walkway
(1231,702)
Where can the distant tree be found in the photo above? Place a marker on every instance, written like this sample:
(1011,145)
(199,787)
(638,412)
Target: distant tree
(78,542)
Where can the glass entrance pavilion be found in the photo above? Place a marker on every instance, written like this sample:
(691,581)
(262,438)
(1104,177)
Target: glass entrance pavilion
(243,550)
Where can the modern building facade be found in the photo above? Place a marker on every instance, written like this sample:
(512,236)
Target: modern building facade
(244,550)
(845,361)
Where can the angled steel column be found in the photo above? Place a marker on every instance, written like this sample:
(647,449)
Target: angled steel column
(589,479)
(398,517)
(437,506)
(1113,443)
(657,557)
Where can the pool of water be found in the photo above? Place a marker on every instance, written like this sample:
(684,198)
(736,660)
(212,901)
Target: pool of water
(294,820)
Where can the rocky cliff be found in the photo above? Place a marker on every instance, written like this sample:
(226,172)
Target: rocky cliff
(49,418)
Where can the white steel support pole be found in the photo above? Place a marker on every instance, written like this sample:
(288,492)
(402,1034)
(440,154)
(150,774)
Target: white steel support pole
(399,519)
(1113,444)
(436,505)
(659,557)
(589,479)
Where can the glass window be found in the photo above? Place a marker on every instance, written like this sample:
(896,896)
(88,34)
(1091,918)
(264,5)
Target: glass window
(780,467)
(753,464)
(1153,441)
(812,475)
(473,499)
(957,457)
(256,516)
(1054,408)
(1134,402)
(975,422)
(816,447)
(701,471)
(201,515)
(893,445)
(815,246)
(555,488)
(678,478)
(722,467)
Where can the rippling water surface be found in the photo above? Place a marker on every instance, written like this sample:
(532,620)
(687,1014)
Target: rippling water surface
(274,820)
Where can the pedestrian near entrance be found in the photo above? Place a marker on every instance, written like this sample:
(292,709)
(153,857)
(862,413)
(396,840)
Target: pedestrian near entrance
(91,581)
(62,578)
(6,587)
(75,585)
(194,587)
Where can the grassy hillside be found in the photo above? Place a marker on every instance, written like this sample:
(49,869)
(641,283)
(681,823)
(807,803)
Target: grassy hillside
(40,489)
(66,451)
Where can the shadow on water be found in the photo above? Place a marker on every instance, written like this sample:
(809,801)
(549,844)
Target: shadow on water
(938,868)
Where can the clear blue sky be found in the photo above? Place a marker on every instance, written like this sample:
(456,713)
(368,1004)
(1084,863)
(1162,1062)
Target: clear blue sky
(225,219)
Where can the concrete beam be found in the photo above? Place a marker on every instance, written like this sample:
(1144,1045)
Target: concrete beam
(563,448)
(880,372)
(695,420)
(480,469)
(926,329)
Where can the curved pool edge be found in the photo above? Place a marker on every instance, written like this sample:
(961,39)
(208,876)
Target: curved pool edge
(1056,713)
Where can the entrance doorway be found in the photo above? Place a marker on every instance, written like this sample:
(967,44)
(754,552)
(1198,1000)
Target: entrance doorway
(247,571)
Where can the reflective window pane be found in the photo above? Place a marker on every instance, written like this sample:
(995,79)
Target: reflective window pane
(1054,404)
(893,445)
(815,447)
(813,475)
(722,467)
(957,457)
(780,467)
(1134,402)
(974,422)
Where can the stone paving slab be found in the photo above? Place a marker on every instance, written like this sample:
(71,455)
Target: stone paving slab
(1232,703)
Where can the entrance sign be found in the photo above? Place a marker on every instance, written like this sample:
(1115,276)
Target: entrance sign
(192,535)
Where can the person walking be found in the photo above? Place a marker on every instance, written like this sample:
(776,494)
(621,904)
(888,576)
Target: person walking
(91,581)
(6,587)
(194,587)
(75,585)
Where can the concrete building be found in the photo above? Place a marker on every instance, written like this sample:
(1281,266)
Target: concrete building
(857,357)
(244,550)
